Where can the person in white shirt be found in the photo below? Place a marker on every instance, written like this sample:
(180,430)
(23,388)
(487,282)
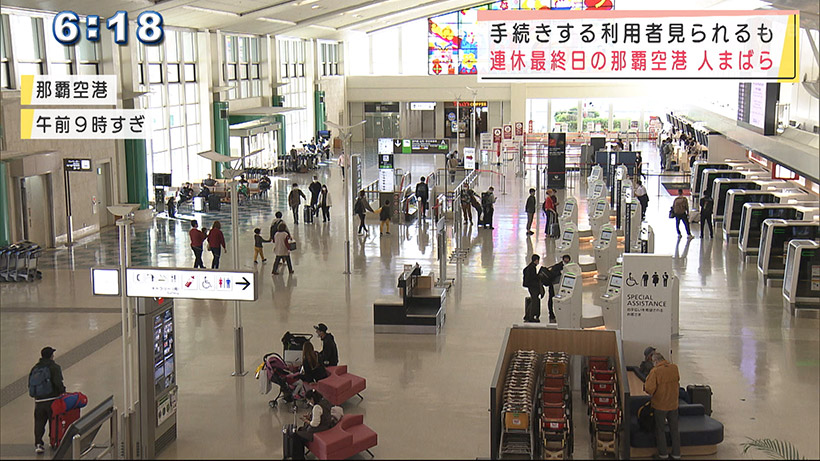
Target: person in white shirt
(281,248)
(643,198)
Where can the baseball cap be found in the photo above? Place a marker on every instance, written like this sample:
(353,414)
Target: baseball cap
(47,351)
(321,327)
(648,351)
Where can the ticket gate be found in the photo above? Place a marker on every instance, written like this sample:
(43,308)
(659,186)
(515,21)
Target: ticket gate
(737,198)
(721,187)
(753,215)
(606,251)
(157,382)
(611,299)
(774,242)
(801,282)
(632,225)
(647,238)
(568,301)
(568,244)
(599,216)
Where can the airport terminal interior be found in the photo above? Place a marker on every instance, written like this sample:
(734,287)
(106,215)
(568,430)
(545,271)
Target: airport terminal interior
(246,99)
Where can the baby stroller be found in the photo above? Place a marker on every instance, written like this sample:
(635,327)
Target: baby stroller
(280,374)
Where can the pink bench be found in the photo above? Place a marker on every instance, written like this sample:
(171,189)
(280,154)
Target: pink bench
(348,437)
(340,385)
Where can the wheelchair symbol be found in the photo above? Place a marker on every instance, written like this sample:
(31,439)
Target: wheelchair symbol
(630,281)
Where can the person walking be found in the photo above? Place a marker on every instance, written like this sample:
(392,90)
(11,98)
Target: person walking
(488,200)
(452,164)
(294,200)
(474,201)
(530,209)
(385,214)
(197,238)
(325,203)
(258,250)
(315,189)
(216,243)
(171,206)
(707,206)
(549,208)
(643,198)
(680,211)
(466,206)
(281,248)
(423,195)
(45,384)
(549,277)
(342,164)
(662,385)
(532,310)
(274,227)
(359,209)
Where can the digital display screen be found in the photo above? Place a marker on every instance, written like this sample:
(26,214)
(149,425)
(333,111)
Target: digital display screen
(164,369)
(606,235)
(568,282)
(568,207)
(567,235)
(600,206)
(598,189)
(616,281)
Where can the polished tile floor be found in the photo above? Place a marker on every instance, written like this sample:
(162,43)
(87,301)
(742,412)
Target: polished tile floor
(426,396)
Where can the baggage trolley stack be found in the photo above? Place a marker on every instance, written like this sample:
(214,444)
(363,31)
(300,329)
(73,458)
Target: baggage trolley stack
(18,262)
(517,410)
(604,409)
(556,435)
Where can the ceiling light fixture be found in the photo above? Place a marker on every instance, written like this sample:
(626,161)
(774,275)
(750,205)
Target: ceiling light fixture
(305,2)
(210,10)
(316,26)
(316,7)
(277,21)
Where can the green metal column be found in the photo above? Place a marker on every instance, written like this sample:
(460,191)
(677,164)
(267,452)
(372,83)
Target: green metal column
(5,227)
(136,167)
(319,111)
(222,134)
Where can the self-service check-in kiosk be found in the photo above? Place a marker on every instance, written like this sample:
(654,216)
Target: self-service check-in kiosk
(647,238)
(568,300)
(157,386)
(611,299)
(801,282)
(774,242)
(632,226)
(570,210)
(606,251)
(711,175)
(599,215)
(568,244)
(597,190)
(721,187)
(597,174)
(737,198)
(753,215)
(697,172)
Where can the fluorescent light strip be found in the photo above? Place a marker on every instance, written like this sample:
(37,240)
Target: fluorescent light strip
(210,10)
(316,26)
(277,21)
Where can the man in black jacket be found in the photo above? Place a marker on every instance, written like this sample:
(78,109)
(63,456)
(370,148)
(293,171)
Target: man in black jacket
(706,207)
(422,194)
(530,209)
(329,355)
(532,283)
(315,189)
(549,277)
(45,385)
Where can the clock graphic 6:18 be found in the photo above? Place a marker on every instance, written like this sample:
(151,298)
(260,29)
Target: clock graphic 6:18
(66,27)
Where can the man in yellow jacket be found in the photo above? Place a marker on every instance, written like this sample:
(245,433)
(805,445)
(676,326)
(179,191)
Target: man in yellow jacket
(662,384)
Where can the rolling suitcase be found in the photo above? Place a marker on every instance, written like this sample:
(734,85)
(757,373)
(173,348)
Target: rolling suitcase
(58,425)
(702,394)
(309,214)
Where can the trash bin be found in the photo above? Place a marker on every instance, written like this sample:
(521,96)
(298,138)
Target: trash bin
(199,204)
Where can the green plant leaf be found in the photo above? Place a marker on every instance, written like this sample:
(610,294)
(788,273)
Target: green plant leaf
(773,448)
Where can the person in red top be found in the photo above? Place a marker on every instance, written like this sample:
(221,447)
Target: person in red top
(197,237)
(549,210)
(216,243)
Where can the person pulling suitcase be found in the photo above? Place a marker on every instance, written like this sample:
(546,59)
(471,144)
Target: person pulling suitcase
(45,385)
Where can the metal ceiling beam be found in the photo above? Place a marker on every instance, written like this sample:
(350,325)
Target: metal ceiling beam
(313,20)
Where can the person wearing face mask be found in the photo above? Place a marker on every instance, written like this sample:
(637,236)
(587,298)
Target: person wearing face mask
(532,310)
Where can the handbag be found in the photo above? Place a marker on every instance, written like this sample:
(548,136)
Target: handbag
(694,216)
(292,245)
(671,212)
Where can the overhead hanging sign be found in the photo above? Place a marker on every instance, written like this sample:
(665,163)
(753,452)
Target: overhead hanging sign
(694,44)
(421,146)
(469,158)
(153,282)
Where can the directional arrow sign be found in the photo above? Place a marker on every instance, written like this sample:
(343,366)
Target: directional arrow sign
(155,282)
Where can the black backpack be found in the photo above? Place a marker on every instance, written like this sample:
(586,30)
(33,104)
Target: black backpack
(646,417)
(39,382)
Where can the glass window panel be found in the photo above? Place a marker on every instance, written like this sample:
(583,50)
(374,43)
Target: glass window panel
(244,88)
(156,97)
(243,49)
(162,162)
(190,72)
(231,72)
(191,114)
(230,49)
(255,71)
(179,164)
(159,139)
(3,44)
(175,95)
(175,117)
(25,68)
(88,69)
(171,51)
(191,93)
(173,73)
(189,46)
(255,49)
(87,51)
(193,134)
(59,69)
(153,53)
(5,81)
(157,116)
(232,93)
(56,52)
(243,71)
(177,137)
(154,73)
(257,87)
(27,47)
